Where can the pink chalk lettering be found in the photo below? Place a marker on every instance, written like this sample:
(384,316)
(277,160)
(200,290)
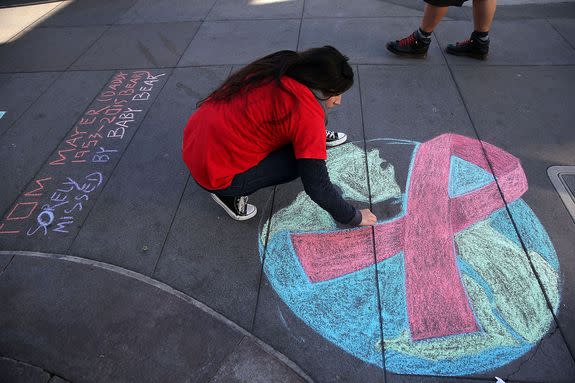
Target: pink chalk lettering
(62,157)
(22,210)
(36,192)
(7,231)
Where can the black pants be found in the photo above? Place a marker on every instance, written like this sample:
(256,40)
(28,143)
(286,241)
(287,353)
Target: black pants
(277,168)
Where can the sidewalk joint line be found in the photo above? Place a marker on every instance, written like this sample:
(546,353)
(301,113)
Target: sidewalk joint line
(377,285)
(300,26)
(226,359)
(120,25)
(173,292)
(111,172)
(56,78)
(18,361)
(319,18)
(210,11)
(265,248)
(37,172)
(193,37)
(511,218)
(125,12)
(532,353)
(88,48)
(560,34)
(466,378)
(176,209)
(359,64)
(7,264)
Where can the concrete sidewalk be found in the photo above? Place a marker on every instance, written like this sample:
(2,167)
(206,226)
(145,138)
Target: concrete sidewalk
(116,267)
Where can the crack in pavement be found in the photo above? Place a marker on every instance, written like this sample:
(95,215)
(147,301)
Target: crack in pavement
(532,353)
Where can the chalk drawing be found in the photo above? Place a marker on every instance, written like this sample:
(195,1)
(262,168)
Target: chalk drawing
(458,295)
(54,203)
(2,113)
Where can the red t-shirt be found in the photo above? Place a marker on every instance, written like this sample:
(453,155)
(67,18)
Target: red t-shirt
(223,139)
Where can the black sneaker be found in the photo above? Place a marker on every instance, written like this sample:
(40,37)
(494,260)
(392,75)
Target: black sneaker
(410,46)
(474,47)
(334,138)
(237,207)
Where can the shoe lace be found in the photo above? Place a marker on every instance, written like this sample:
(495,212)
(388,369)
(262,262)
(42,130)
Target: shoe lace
(242,204)
(331,135)
(407,40)
(464,42)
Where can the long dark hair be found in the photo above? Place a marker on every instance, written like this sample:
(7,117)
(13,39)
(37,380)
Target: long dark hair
(324,69)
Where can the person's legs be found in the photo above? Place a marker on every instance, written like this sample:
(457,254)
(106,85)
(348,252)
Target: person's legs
(432,15)
(278,167)
(477,46)
(417,44)
(483,13)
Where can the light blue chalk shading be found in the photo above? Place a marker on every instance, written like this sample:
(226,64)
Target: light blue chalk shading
(401,363)
(465,268)
(532,232)
(394,141)
(410,172)
(393,295)
(2,114)
(344,310)
(465,177)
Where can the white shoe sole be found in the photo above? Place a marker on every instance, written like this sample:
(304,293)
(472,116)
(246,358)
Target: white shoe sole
(337,142)
(251,213)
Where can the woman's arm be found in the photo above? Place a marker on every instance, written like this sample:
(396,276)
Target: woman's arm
(318,186)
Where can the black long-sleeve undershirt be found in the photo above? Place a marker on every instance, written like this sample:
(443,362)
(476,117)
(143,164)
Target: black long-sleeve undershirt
(319,188)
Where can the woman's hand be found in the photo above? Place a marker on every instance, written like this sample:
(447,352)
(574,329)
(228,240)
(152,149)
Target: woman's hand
(367,218)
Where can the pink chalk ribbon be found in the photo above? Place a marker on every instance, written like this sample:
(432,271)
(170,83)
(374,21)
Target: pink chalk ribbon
(437,303)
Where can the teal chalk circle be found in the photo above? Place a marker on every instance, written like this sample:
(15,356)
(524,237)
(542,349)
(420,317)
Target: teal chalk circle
(503,292)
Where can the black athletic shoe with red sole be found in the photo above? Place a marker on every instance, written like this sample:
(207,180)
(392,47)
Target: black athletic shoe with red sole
(474,47)
(409,46)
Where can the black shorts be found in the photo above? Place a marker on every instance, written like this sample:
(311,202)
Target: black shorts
(446,3)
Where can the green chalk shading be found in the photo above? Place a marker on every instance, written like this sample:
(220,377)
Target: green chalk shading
(346,167)
(548,277)
(517,298)
(302,215)
(505,267)
(493,333)
(326,306)
(504,294)
(532,233)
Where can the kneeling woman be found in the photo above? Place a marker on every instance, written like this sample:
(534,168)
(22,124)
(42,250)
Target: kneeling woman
(265,125)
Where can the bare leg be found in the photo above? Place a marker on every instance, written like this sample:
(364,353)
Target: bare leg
(432,15)
(483,12)
(477,46)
